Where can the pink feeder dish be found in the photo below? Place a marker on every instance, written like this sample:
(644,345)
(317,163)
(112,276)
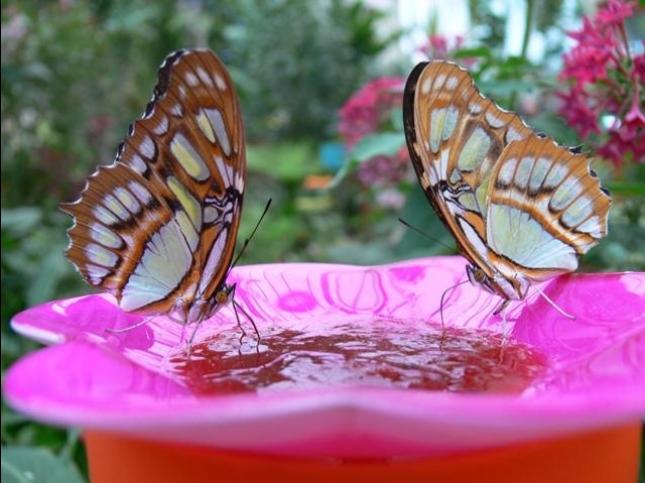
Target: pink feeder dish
(354,378)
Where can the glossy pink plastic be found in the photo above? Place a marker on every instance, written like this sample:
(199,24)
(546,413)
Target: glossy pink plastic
(102,381)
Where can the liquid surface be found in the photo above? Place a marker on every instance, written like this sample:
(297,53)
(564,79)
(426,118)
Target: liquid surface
(374,354)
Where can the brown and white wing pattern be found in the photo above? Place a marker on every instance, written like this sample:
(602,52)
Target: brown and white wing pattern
(157,228)
(455,135)
(545,208)
(463,146)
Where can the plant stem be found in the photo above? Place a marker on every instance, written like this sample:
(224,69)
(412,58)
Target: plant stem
(623,34)
(528,23)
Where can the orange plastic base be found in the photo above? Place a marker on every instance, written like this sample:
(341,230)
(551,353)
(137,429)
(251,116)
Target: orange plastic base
(602,456)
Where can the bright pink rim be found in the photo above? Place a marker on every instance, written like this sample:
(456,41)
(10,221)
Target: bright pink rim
(600,357)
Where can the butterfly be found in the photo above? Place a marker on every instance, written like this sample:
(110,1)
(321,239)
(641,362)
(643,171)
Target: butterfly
(157,228)
(521,207)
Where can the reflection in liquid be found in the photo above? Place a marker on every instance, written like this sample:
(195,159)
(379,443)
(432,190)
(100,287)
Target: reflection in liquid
(375,354)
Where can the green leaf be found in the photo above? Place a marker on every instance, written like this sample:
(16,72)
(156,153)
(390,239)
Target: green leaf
(26,464)
(356,253)
(419,213)
(342,173)
(396,118)
(625,188)
(483,52)
(289,162)
(555,126)
(53,267)
(377,144)
(20,221)
(514,61)
(498,88)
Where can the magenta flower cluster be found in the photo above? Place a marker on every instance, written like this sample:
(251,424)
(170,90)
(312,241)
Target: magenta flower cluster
(369,107)
(385,170)
(604,98)
(441,47)
(367,112)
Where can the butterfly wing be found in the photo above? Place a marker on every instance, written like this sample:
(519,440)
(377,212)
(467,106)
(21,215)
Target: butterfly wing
(457,139)
(546,207)
(157,228)
(455,136)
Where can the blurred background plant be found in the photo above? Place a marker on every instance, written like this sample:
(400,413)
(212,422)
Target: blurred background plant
(321,87)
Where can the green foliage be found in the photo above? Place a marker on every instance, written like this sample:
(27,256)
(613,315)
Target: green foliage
(74,74)
(623,247)
(24,464)
(298,61)
(384,143)
(290,162)
(516,84)
(417,212)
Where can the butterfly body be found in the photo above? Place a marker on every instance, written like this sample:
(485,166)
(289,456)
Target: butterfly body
(521,208)
(157,227)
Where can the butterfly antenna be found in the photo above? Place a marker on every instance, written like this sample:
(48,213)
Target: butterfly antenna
(423,233)
(247,240)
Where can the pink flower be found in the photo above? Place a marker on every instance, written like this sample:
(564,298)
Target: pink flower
(635,115)
(439,44)
(623,141)
(590,34)
(382,171)
(365,113)
(639,67)
(585,65)
(604,81)
(441,47)
(614,13)
(627,136)
(578,113)
(366,110)
(390,198)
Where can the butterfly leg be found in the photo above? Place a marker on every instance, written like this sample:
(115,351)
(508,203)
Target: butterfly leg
(501,307)
(250,319)
(237,306)
(179,306)
(443,300)
(237,315)
(189,342)
(506,327)
(257,332)
(441,304)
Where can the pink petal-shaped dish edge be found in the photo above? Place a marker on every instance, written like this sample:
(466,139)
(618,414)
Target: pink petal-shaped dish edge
(598,359)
